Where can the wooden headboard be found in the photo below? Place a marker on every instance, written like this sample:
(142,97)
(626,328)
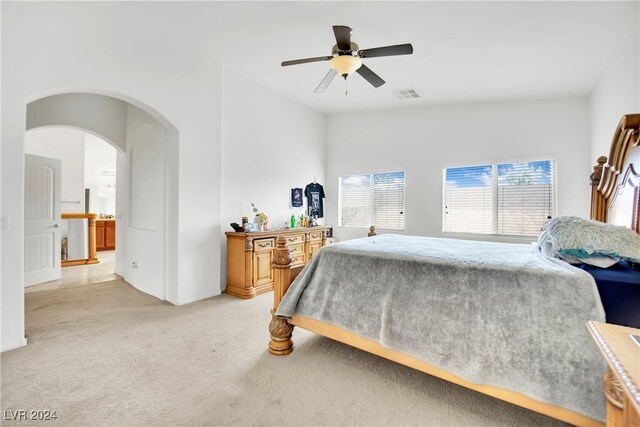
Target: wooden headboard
(615,182)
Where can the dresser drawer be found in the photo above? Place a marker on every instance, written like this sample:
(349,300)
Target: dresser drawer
(297,259)
(315,235)
(263,245)
(295,239)
(296,249)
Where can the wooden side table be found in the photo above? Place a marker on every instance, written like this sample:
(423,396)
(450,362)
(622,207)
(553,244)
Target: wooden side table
(622,379)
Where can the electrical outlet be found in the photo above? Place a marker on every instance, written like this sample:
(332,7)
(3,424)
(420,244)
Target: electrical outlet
(134,264)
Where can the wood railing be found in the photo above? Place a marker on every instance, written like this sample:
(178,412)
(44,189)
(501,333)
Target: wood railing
(91,236)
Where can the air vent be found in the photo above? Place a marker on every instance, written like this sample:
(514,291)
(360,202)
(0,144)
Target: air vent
(405,93)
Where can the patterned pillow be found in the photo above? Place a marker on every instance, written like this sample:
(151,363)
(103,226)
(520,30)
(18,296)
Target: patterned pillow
(578,240)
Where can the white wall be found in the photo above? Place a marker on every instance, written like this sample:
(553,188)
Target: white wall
(424,141)
(99,157)
(48,49)
(67,145)
(270,144)
(617,94)
(106,115)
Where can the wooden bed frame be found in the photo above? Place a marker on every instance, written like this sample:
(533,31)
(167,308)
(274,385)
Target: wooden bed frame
(615,190)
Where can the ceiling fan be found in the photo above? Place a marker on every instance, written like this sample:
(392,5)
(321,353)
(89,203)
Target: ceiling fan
(346,58)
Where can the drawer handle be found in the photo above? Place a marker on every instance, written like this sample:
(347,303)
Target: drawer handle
(294,250)
(264,245)
(315,236)
(293,239)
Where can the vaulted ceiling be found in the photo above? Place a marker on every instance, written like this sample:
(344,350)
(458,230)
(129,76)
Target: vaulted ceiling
(463,51)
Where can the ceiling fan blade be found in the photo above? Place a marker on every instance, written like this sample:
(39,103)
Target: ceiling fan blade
(399,49)
(370,76)
(343,36)
(305,60)
(324,84)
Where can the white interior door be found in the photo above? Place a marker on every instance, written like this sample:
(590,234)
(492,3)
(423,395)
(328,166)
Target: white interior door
(41,219)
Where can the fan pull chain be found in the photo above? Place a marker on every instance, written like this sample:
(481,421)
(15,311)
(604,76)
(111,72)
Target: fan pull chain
(346,87)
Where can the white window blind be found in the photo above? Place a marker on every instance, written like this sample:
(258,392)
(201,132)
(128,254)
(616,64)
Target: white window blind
(507,198)
(468,200)
(525,197)
(373,199)
(355,201)
(388,200)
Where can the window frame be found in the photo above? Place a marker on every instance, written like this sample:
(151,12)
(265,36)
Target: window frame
(494,186)
(371,200)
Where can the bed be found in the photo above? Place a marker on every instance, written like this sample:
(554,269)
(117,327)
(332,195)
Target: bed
(529,311)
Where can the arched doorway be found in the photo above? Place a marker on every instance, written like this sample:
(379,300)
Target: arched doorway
(88,189)
(146,196)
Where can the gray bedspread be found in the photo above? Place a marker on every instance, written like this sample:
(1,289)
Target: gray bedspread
(490,313)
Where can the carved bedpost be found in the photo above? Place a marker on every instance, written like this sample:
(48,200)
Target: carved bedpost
(372,231)
(279,329)
(598,201)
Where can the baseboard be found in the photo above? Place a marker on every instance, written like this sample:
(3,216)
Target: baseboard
(194,299)
(14,345)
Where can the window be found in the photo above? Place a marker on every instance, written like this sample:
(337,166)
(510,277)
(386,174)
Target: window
(372,199)
(506,198)
(355,201)
(468,199)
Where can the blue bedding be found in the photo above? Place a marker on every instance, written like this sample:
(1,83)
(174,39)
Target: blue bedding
(619,288)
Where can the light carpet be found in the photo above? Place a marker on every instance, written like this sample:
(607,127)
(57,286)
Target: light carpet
(107,354)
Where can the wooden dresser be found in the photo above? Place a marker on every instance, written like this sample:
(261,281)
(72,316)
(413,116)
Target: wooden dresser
(249,257)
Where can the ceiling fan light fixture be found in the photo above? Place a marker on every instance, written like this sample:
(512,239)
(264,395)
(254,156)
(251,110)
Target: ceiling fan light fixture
(345,58)
(344,65)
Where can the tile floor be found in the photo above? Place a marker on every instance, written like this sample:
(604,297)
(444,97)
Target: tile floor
(79,275)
